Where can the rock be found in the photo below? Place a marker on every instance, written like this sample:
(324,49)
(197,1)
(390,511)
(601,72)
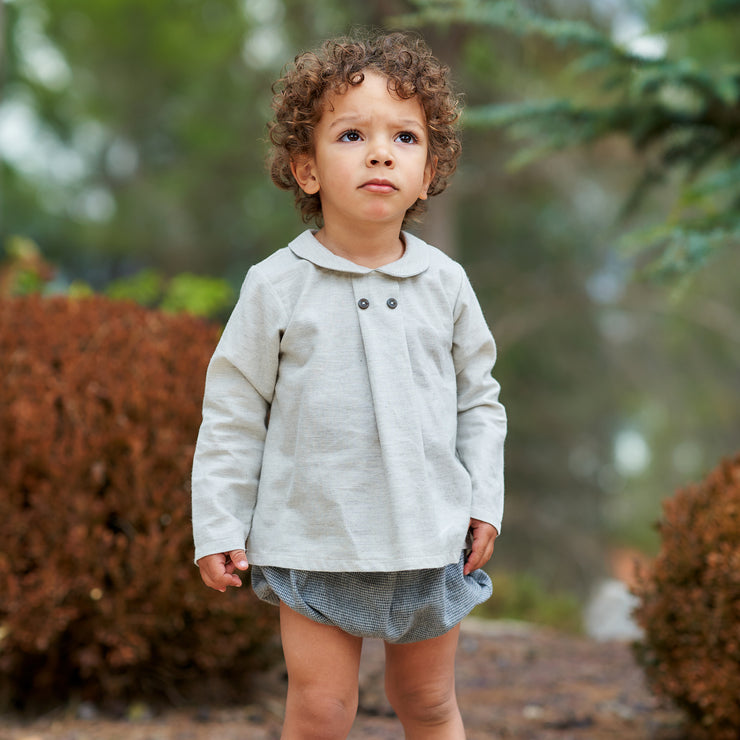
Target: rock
(87,711)
(608,613)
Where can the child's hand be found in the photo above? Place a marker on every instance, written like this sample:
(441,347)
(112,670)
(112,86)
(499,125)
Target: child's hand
(484,535)
(217,571)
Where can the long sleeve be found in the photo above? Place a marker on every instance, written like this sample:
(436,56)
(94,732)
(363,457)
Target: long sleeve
(481,420)
(240,383)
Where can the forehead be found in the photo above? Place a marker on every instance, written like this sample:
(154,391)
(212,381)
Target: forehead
(375,93)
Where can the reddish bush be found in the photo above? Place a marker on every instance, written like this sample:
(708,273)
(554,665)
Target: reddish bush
(690,605)
(99,597)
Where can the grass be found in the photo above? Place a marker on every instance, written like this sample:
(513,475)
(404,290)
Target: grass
(522,596)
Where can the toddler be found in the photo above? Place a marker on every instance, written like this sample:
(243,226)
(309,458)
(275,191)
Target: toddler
(352,436)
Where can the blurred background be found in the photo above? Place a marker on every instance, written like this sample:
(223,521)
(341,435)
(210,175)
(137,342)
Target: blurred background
(132,148)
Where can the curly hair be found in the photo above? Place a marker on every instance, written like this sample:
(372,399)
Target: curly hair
(411,69)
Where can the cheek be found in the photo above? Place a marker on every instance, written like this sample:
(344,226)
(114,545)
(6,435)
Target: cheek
(337,167)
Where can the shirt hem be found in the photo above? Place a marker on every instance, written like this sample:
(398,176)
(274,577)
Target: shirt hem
(353,565)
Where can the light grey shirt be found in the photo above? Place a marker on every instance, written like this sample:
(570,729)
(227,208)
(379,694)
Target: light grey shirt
(350,418)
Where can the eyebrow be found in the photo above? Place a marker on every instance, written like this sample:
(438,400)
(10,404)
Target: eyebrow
(350,118)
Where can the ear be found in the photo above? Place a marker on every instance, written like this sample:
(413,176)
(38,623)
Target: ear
(429,171)
(304,171)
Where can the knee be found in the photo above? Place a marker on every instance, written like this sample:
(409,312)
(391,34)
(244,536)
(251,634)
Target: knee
(425,704)
(323,714)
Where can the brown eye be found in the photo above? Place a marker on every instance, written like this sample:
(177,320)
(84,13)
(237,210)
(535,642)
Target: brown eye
(350,136)
(406,137)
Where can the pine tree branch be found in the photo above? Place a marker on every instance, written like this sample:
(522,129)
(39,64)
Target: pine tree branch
(685,116)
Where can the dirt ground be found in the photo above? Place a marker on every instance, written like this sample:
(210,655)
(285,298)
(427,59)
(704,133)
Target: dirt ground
(515,681)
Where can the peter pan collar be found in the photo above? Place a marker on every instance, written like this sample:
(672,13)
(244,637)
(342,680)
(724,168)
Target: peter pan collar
(414,261)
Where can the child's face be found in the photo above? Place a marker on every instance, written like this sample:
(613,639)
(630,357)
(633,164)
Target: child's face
(370,159)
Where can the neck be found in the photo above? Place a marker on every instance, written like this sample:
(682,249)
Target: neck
(372,248)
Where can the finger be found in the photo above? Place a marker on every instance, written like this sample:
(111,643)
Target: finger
(211,579)
(223,581)
(475,561)
(481,553)
(216,574)
(472,563)
(239,559)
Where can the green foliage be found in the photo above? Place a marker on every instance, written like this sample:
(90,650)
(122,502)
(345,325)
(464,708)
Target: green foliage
(682,115)
(200,296)
(145,288)
(509,15)
(101,601)
(522,596)
(144,128)
(207,297)
(145,112)
(25,272)
(24,269)
(690,604)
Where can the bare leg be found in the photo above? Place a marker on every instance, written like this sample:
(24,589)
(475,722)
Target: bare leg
(323,664)
(420,684)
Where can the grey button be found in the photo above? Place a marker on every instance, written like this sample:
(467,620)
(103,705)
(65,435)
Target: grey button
(363,303)
(391,303)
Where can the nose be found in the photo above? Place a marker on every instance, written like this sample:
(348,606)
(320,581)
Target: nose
(379,154)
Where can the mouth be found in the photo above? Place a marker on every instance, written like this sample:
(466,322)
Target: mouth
(379,186)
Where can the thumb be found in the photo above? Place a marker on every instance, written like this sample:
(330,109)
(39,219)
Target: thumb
(239,558)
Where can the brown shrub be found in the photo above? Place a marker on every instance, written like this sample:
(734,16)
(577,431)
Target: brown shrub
(690,605)
(99,597)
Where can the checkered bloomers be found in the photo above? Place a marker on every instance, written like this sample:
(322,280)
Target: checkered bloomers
(398,607)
